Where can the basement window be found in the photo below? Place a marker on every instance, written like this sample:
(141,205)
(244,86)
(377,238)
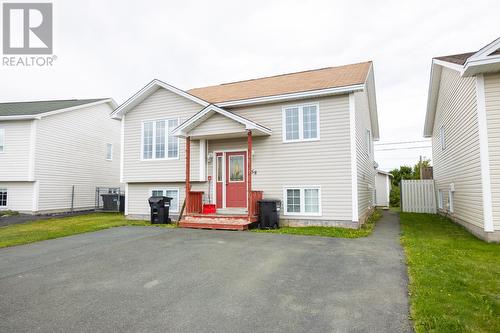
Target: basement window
(3,197)
(302,201)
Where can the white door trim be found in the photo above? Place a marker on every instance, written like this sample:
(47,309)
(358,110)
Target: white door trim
(214,174)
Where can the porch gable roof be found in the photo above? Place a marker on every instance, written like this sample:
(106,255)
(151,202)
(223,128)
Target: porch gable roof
(183,129)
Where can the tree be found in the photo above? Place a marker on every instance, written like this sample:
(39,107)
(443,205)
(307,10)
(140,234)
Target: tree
(404,172)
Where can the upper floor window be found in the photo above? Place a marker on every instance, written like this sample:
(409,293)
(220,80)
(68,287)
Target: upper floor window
(442,139)
(109,151)
(368,142)
(157,141)
(301,123)
(2,140)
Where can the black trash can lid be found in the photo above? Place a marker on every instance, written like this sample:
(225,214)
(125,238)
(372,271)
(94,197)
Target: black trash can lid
(156,199)
(269,200)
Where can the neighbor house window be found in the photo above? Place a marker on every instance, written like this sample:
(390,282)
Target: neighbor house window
(450,202)
(157,141)
(440,199)
(168,192)
(301,123)
(302,201)
(2,140)
(3,197)
(442,139)
(368,141)
(109,151)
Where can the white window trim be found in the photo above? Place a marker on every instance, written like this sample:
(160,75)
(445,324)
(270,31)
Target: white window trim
(106,151)
(301,122)
(302,200)
(442,137)
(4,189)
(154,158)
(164,189)
(2,136)
(451,203)
(440,199)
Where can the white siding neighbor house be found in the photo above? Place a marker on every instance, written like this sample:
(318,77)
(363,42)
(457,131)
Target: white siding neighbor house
(303,138)
(53,154)
(463,120)
(382,188)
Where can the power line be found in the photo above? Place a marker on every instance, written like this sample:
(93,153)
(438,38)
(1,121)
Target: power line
(400,142)
(403,148)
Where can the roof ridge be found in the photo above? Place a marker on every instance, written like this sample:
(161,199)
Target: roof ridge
(58,100)
(283,74)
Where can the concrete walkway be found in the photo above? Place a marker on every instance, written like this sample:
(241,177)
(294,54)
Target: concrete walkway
(137,279)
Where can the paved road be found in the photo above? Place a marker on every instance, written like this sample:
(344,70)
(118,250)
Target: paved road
(24,218)
(137,279)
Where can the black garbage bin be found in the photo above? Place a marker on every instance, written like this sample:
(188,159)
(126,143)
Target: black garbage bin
(110,202)
(159,209)
(269,213)
(122,203)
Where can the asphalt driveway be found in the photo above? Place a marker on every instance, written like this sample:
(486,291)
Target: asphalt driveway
(137,279)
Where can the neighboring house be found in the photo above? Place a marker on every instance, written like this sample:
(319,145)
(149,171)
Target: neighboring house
(382,188)
(53,154)
(304,138)
(463,120)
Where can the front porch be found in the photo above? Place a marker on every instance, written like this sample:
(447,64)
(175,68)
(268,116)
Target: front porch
(229,201)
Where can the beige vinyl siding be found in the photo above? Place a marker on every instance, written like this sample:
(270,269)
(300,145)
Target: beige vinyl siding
(459,163)
(217,124)
(162,104)
(15,159)
(325,162)
(492,94)
(19,196)
(364,157)
(70,150)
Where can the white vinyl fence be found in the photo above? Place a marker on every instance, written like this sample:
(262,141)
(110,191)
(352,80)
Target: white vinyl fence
(418,196)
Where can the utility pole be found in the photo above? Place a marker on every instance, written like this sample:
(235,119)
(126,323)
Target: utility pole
(420,164)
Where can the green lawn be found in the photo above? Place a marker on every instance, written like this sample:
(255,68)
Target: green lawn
(365,230)
(454,277)
(59,227)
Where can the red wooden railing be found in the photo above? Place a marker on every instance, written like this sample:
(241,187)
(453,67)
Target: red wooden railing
(255,196)
(195,202)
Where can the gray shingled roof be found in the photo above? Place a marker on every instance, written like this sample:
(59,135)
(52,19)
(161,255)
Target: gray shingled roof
(458,59)
(34,108)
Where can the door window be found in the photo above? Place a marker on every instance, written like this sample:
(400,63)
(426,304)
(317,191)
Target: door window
(236,168)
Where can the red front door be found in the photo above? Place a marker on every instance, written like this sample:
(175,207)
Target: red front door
(236,186)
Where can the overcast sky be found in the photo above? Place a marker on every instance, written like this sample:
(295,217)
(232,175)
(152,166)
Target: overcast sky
(113,48)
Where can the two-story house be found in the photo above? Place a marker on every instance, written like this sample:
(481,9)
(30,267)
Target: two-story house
(304,138)
(463,120)
(53,154)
